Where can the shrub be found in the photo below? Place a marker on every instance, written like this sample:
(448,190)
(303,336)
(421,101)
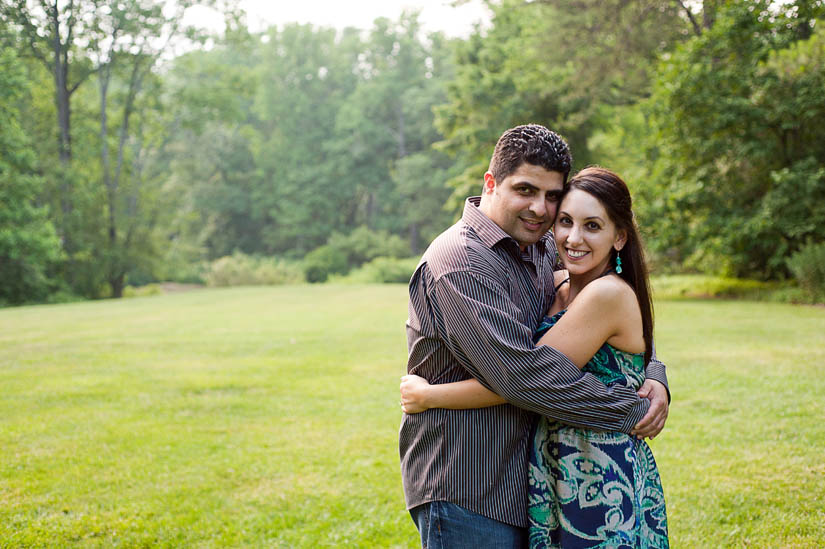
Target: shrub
(240,269)
(363,245)
(790,294)
(322,262)
(808,268)
(693,286)
(142,291)
(64,296)
(342,253)
(382,270)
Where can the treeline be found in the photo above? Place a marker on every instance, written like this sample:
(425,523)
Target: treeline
(304,152)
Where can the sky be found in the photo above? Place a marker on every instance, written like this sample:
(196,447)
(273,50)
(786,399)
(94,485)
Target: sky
(436,15)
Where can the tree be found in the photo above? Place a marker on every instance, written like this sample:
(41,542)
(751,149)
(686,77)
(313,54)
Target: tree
(130,37)
(552,62)
(387,119)
(213,134)
(50,29)
(116,45)
(292,136)
(305,76)
(737,115)
(29,247)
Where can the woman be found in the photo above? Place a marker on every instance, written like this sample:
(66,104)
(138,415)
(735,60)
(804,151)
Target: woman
(587,488)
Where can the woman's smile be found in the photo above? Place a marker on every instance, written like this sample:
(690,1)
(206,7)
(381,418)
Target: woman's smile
(576,254)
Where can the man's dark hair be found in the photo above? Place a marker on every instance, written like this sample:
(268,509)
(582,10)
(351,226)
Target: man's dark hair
(531,143)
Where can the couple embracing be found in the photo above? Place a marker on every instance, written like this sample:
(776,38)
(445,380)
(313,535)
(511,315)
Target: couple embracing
(532,379)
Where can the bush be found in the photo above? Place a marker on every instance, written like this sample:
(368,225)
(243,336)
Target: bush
(808,268)
(382,270)
(703,286)
(342,253)
(791,294)
(363,245)
(240,269)
(322,262)
(142,291)
(64,296)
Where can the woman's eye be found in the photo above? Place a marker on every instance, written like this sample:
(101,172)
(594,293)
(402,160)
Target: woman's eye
(593,226)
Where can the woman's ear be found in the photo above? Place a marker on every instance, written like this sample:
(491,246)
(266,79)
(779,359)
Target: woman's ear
(621,240)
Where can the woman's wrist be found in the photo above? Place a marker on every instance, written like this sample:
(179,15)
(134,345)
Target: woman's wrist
(424,396)
(432,396)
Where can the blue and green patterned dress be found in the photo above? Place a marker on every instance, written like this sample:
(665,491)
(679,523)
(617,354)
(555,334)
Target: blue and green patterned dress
(591,488)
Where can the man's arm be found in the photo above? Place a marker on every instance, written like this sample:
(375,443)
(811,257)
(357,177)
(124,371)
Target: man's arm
(656,370)
(483,332)
(655,389)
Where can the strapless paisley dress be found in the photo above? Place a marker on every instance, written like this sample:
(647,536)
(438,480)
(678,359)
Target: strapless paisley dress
(592,488)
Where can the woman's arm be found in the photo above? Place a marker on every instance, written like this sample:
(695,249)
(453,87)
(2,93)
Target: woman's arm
(594,316)
(417,395)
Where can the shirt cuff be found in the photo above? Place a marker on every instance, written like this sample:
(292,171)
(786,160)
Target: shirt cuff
(635,415)
(656,370)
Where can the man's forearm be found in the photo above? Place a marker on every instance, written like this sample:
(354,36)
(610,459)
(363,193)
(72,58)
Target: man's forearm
(656,370)
(498,350)
(556,388)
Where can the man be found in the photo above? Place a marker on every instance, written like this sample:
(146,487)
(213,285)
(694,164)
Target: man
(478,294)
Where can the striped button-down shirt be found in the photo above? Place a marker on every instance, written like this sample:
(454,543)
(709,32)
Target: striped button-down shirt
(475,300)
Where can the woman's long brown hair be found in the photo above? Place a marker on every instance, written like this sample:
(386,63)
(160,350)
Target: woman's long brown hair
(614,195)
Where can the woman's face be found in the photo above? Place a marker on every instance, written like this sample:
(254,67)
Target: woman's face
(585,234)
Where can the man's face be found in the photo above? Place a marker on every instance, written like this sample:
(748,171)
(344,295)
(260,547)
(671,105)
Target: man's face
(524,203)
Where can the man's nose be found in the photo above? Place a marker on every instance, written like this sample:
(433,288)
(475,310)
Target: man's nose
(539,207)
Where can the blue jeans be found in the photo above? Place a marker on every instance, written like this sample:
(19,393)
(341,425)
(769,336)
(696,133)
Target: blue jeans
(445,525)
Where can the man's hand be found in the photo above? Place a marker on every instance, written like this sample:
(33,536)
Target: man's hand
(654,420)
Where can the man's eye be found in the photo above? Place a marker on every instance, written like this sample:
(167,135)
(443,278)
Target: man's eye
(524,190)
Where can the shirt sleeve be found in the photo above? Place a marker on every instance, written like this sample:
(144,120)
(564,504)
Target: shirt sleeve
(655,369)
(482,330)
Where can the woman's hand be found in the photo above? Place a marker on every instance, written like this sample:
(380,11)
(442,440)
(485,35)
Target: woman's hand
(414,391)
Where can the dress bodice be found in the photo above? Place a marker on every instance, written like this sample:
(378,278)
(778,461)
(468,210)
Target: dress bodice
(609,364)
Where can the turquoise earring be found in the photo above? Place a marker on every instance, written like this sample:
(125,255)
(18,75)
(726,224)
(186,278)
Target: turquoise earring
(618,264)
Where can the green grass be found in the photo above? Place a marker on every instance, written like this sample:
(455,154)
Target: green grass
(269,416)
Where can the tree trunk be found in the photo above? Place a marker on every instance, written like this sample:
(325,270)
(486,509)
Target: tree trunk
(709,13)
(111,191)
(64,140)
(414,238)
(116,283)
(697,29)
(115,275)
(368,213)
(402,138)
(112,182)
(62,93)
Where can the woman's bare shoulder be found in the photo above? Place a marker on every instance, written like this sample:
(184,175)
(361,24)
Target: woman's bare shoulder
(609,291)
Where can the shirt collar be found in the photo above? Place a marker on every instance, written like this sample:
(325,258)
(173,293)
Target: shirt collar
(487,229)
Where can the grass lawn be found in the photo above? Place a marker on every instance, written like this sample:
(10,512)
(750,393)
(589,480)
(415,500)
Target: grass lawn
(269,416)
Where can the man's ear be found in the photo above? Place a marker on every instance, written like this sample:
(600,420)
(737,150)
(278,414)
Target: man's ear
(489,183)
(621,240)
